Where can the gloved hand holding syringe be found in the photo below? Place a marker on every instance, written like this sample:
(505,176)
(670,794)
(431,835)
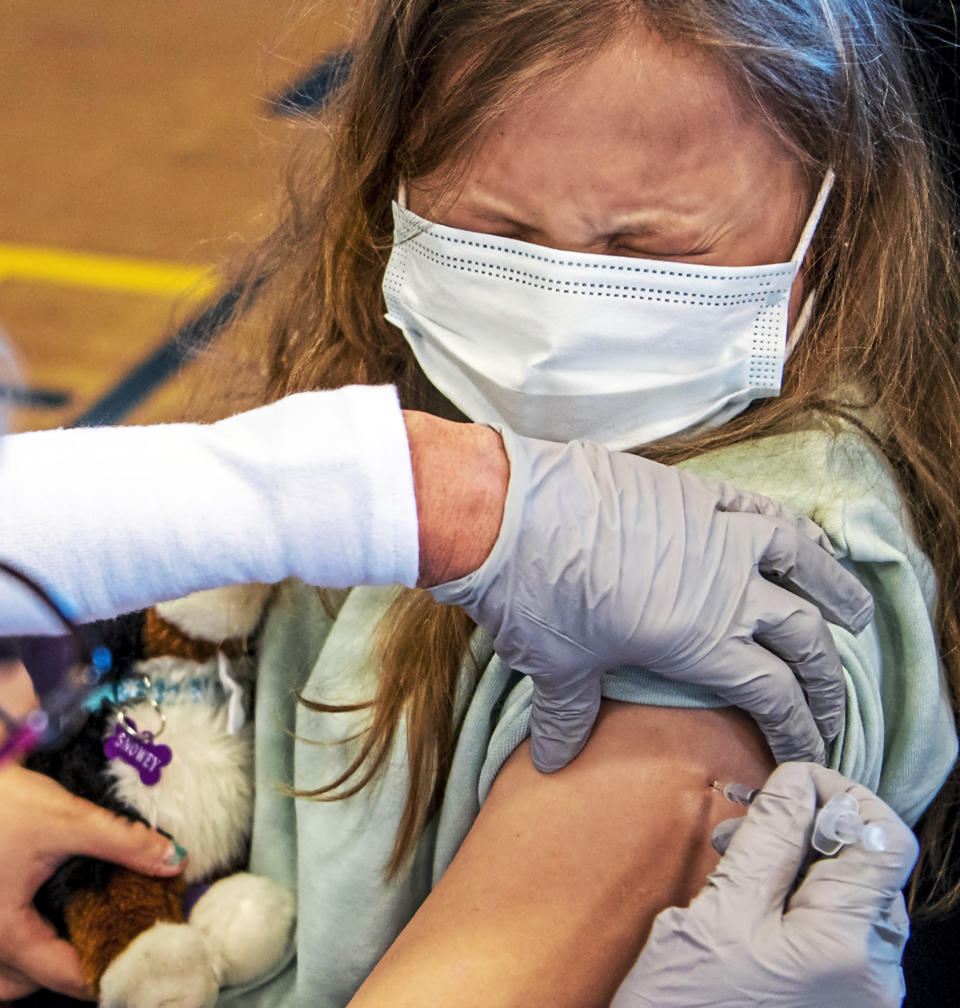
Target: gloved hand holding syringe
(837,824)
(773,928)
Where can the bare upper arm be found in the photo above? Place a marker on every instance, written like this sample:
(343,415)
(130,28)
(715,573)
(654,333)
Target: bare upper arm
(555,888)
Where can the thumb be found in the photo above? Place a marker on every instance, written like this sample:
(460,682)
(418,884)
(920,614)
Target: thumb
(101,834)
(50,961)
(767,850)
(561,719)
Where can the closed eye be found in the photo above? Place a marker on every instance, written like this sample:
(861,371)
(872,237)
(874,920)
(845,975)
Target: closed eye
(648,245)
(651,253)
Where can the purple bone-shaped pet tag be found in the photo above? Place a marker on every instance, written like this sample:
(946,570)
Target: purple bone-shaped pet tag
(139,751)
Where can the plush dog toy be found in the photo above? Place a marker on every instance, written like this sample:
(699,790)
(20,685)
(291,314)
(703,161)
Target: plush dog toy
(170,746)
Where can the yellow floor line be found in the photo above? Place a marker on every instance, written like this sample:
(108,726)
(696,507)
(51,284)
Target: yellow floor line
(116,273)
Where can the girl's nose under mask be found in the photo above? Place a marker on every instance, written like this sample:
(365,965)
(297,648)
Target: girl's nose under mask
(566,346)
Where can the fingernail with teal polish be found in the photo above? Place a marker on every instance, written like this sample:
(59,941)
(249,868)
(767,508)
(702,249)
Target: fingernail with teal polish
(176,856)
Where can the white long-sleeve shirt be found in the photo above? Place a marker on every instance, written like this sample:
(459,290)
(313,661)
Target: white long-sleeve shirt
(317,486)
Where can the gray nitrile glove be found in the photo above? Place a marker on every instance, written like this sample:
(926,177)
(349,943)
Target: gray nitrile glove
(745,941)
(607,559)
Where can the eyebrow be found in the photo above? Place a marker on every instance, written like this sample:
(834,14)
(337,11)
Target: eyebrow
(638,229)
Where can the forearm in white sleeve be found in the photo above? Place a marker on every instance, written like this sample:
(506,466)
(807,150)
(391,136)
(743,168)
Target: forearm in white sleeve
(317,486)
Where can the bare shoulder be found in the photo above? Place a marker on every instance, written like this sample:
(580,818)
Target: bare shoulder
(558,882)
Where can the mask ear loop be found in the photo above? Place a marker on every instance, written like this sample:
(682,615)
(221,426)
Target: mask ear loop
(813,220)
(402,195)
(799,327)
(803,245)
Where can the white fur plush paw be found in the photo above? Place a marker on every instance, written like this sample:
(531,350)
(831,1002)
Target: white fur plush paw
(246,921)
(168,966)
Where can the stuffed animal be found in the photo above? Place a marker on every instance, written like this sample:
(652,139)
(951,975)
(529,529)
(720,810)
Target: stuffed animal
(171,746)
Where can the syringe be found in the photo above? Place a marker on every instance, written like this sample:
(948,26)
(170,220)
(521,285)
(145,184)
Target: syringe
(838,823)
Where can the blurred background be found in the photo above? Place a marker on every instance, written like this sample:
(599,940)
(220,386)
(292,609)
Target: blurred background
(140,144)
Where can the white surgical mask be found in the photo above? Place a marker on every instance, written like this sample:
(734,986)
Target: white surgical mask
(565,346)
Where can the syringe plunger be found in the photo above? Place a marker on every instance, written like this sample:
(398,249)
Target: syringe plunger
(839,823)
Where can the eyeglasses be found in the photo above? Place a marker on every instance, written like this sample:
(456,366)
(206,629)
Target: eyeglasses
(63,668)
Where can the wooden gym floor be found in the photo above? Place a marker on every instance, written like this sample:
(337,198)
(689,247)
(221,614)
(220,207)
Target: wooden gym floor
(137,149)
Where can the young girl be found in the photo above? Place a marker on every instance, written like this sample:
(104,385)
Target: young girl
(532,145)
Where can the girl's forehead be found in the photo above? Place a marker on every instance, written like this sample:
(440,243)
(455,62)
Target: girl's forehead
(643,127)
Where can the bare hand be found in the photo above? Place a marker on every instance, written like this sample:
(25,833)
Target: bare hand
(44,825)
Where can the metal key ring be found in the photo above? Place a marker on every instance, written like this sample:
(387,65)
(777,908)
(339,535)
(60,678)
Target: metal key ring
(143,736)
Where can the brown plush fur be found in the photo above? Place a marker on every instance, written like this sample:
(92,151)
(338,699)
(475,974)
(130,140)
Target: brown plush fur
(161,638)
(103,922)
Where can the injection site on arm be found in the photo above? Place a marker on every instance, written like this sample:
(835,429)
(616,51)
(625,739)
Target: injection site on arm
(316,486)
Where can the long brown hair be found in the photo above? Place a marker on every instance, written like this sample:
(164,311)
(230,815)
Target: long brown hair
(832,79)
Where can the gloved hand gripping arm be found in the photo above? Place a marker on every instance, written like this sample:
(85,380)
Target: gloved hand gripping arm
(606,559)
